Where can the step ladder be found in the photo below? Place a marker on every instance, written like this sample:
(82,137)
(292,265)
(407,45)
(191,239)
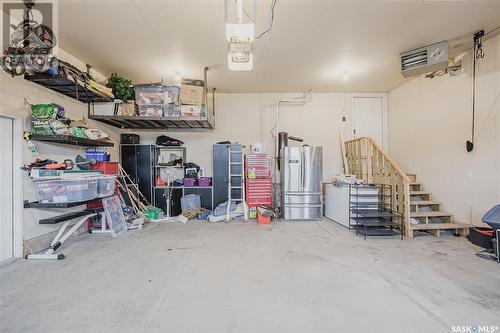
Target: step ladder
(241,184)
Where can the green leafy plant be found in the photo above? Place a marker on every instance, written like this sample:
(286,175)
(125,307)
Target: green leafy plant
(122,87)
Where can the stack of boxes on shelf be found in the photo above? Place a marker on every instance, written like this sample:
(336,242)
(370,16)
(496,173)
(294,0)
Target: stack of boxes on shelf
(160,100)
(157,100)
(192,99)
(258,182)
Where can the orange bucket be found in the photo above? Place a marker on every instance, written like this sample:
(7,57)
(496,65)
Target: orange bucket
(263,219)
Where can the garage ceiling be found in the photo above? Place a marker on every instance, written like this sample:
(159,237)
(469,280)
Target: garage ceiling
(312,45)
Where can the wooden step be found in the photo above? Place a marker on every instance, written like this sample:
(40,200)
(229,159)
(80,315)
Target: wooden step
(419,192)
(424,217)
(416,204)
(423,203)
(441,226)
(435,228)
(430,214)
(424,194)
(415,186)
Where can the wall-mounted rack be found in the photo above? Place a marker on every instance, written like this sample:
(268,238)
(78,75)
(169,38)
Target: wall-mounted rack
(71,140)
(65,85)
(155,123)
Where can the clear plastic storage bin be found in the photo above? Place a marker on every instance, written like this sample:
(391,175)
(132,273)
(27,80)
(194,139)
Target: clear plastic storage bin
(66,190)
(172,110)
(145,94)
(190,202)
(150,110)
(105,186)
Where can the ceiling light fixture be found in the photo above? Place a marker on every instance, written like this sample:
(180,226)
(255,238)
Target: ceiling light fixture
(240,37)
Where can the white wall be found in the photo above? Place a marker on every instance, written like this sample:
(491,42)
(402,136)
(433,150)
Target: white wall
(242,117)
(250,117)
(429,123)
(12,94)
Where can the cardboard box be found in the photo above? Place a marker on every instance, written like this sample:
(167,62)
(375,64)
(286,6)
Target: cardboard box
(194,111)
(127,109)
(192,92)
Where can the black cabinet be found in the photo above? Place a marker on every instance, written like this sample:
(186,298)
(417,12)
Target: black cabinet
(175,200)
(138,162)
(205,194)
(220,162)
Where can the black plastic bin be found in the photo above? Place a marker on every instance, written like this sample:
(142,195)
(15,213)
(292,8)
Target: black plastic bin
(492,218)
(482,237)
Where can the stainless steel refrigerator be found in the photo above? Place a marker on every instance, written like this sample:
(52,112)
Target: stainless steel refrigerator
(301,183)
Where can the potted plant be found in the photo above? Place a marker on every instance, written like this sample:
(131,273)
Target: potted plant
(124,94)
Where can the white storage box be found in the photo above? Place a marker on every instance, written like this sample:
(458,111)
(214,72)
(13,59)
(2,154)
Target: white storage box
(105,186)
(66,190)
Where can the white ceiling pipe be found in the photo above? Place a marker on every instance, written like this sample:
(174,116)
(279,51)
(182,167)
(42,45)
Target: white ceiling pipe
(239,3)
(306,99)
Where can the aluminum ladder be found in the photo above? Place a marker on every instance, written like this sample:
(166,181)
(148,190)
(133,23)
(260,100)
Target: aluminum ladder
(230,176)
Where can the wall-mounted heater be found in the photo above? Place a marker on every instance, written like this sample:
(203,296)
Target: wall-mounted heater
(425,59)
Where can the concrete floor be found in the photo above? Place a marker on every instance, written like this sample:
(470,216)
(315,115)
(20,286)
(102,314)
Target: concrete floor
(243,277)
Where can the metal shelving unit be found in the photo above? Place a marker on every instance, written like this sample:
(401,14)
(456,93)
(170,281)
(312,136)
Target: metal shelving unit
(179,150)
(155,123)
(370,211)
(71,140)
(67,86)
(177,191)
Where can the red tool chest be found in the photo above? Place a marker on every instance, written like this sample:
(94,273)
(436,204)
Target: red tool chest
(258,190)
(261,163)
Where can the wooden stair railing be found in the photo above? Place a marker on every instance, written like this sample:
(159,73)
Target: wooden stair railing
(368,161)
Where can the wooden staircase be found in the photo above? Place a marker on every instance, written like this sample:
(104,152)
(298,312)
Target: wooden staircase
(367,161)
(426,211)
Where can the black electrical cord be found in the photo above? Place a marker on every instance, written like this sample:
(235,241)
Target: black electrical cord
(470,143)
(271,20)
(476,54)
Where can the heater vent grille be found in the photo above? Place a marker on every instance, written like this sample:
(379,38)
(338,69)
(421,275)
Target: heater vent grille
(425,59)
(414,60)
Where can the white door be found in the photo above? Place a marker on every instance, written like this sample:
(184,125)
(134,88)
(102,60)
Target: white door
(6,190)
(368,118)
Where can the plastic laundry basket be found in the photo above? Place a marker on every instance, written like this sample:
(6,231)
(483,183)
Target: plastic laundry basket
(492,217)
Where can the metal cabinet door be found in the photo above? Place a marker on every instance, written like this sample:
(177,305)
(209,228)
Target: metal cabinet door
(175,200)
(145,164)
(204,193)
(293,169)
(128,157)
(312,169)
(220,161)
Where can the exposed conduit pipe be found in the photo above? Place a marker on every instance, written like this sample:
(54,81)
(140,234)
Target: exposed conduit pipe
(306,99)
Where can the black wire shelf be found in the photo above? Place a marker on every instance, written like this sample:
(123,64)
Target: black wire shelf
(155,123)
(71,140)
(67,86)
